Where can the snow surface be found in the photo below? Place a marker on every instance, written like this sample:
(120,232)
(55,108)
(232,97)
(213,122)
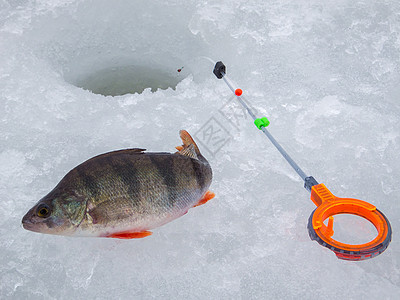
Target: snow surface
(326,73)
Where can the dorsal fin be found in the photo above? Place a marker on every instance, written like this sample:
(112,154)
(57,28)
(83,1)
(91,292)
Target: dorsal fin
(131,151)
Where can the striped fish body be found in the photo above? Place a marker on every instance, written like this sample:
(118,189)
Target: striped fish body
(127,192)
(134,191)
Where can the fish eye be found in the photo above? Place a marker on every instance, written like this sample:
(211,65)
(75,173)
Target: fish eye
(43,210)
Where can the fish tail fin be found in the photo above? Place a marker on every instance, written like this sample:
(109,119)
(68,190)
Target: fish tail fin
(188,140)
(189,147)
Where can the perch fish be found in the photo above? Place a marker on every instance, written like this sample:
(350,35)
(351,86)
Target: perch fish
(123,194)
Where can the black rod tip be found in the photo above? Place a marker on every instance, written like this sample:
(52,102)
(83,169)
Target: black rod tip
(219,69)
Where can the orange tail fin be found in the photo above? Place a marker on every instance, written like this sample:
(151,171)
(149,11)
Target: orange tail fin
(188,140)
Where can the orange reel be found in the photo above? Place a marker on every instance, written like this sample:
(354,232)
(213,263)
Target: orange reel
(329,205)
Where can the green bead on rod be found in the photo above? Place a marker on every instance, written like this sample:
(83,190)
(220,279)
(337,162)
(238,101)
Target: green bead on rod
(261,122)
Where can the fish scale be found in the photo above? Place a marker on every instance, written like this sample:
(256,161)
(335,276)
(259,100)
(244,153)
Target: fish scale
(124,193)
(154,189)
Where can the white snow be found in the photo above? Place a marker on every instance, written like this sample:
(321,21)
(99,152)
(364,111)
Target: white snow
(325,73)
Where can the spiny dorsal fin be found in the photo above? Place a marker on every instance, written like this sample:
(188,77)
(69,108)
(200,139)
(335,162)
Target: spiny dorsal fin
(189,151)
(131,151)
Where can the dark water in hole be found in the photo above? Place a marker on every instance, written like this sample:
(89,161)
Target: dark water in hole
(116,81)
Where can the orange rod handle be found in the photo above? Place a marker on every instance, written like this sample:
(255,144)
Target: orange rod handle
(329,205)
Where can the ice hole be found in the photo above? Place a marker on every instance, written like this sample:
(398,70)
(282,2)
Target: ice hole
(129,79)
(118,53)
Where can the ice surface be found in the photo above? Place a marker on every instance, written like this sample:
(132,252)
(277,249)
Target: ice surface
(325,73)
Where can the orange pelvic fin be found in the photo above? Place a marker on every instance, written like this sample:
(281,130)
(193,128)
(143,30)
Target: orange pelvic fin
(207,196)
(130,235)
(179,148)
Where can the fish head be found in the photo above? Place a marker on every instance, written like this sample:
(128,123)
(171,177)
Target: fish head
(56,213)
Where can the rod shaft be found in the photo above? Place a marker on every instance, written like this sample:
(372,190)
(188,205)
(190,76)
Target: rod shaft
(291,162)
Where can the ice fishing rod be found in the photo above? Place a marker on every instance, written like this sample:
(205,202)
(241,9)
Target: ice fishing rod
(327,204)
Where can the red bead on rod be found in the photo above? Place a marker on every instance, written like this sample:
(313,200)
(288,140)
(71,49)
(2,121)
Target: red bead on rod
(238,92)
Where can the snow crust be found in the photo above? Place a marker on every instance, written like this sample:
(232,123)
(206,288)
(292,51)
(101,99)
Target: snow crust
(326,74)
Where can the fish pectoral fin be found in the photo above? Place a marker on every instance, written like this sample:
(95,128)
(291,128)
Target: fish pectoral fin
(207,196)
(130,235)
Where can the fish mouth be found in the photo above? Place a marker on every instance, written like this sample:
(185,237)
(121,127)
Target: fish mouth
(29,222)
(26,223)
(35,227)
(27,226)
(25,220)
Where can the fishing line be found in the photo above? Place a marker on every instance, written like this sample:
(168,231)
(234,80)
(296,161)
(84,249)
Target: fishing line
(327,204)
